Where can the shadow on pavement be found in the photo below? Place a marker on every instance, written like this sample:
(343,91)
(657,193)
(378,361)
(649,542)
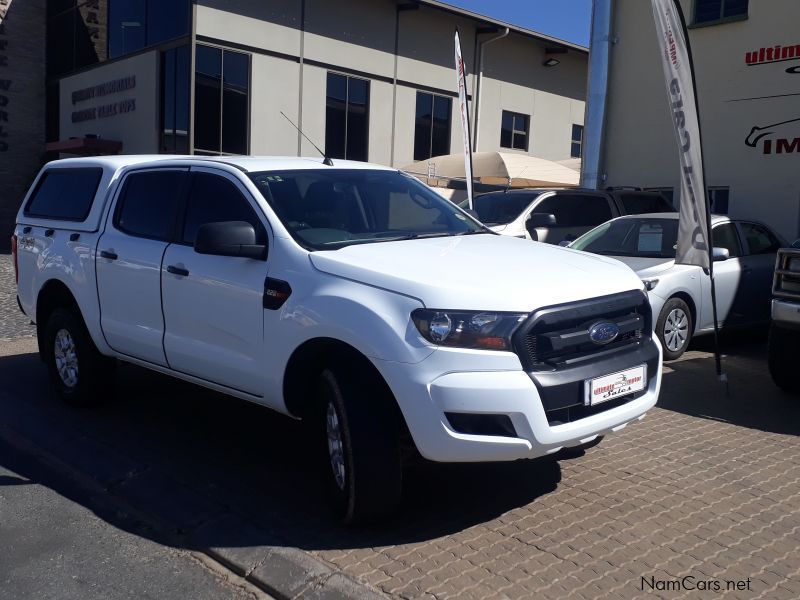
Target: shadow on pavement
(192,457)
(690,386)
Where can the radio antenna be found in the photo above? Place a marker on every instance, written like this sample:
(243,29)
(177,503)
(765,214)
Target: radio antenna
(327,160)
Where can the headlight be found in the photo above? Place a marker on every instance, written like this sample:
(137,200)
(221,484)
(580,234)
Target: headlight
(650,284)
(483,330)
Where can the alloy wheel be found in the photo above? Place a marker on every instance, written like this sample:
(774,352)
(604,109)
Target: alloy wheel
(66,358)
(335,445)
(676,329)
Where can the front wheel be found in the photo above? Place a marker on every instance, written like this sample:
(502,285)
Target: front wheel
(674,328)
(782,353)
(364,472)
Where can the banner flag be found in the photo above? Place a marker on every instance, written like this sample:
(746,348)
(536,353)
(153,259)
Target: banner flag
(465,128)
(694,244)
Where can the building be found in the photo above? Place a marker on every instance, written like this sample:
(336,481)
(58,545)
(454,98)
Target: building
(364,79)
(747,67)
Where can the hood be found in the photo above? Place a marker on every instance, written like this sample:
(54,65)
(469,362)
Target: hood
(479,272)
(647,267)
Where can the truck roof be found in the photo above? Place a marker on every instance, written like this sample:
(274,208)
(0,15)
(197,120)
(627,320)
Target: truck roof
(245,163)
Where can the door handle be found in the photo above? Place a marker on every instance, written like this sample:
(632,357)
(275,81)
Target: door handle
(108,254)
(178,271)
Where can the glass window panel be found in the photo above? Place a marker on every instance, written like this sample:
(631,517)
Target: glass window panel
(214,199)
(422,126)
(61,43)
(575,150)
(707,10)
(442,108)
(182,82)
(520,141)
(207,112)
(150,204)
(506,127)
(725,236)
(759,239)
(236,76)
(734,8)
(357,119)
(166,19)
(336,116)
(126,26)
(64,194)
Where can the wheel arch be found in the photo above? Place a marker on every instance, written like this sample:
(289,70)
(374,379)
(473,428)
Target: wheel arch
(687,298)
(52,295)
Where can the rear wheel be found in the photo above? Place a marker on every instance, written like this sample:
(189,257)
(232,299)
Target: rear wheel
(783,347)
(357,420)
(674,328)
(82,376)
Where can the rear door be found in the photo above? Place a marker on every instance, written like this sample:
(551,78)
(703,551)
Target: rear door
(213,305)
(140,227)
(758,264)
(576,213)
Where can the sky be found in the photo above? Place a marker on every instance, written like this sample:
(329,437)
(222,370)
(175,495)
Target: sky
(565,19)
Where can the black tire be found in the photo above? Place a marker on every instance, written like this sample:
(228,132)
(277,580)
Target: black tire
(577,451)
(370,468)
(674,328)
(91,380)
(783,346)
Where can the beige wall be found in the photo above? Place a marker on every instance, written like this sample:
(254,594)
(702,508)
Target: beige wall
(137,129)
(734,97)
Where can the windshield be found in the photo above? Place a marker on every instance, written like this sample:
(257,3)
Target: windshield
(327,209)
(647,238)
(498,208)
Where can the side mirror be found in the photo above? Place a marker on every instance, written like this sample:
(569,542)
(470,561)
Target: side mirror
(720,254)
(536,220)
(229,238)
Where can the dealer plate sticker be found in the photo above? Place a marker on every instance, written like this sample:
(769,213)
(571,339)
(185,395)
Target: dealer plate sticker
(616,385)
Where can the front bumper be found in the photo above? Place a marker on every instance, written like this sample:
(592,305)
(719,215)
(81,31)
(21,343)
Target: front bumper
(786,314)
(493,383)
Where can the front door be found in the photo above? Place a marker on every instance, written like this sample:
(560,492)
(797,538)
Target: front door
(129,255)
(758,266)
(727,278)
(213,305)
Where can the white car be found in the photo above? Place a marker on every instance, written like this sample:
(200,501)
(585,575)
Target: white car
(680,295)
(349,295)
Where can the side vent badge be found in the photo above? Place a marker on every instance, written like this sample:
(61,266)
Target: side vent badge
(276,293)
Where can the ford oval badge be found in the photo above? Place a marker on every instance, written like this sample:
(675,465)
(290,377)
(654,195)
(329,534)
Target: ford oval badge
(603,333)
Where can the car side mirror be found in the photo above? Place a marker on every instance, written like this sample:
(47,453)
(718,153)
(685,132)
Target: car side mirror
(536,220)
(229,238)
(720,254)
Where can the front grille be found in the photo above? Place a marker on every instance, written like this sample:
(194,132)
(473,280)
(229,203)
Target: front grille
(557,337)
(786,283)
(568,414)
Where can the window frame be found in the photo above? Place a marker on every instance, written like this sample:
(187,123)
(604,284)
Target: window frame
(746,251)
(431,126)
(146,27)
(121,195)
(736,232)
(193,92)
(515,132)
(183,205)
(721,20)
(578,142)
(27,210)
(368,115)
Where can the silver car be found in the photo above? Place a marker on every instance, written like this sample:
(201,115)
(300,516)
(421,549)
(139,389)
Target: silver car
(680,295)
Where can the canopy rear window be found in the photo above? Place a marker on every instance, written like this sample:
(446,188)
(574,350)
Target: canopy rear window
(64,194)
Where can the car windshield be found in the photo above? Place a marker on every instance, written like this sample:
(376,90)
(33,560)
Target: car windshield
(646,238)
(327,209)
(498,208)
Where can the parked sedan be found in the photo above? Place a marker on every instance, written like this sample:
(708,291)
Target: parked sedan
(680,295)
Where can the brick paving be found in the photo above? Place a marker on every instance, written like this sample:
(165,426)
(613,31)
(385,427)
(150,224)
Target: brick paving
(707,486)
(13,323)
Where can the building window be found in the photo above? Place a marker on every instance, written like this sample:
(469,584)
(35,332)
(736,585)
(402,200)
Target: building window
(714,11)
(175,65)
(221,103)
(514,131)
(347,117)
(718,200)
(576,150)
(432,126)
(136,24)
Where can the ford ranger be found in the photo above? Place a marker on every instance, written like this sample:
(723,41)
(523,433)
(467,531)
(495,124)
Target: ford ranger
(348,295)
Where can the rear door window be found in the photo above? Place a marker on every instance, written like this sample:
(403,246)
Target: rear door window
(576,210)
(639,203)
(759,239)
(148,205)
(64,194)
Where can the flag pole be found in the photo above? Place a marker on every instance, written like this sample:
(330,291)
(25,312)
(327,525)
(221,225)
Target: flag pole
(466,129)
(723,377)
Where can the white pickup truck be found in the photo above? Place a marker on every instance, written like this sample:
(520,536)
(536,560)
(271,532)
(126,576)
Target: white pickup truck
(349,295)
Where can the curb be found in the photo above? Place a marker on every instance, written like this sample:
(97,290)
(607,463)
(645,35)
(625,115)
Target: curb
(283,572)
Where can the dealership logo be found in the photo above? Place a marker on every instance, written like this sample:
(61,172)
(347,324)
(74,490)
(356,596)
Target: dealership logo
(774,54)
(779,138)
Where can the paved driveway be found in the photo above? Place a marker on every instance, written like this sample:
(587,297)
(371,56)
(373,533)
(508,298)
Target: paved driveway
(705,492)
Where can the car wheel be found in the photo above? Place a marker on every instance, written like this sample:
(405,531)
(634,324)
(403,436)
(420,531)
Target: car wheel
(674,328)
(82,376)
(364,468)
(783,347)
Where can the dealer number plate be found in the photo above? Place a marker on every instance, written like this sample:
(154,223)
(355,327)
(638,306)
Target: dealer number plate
(616,385)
